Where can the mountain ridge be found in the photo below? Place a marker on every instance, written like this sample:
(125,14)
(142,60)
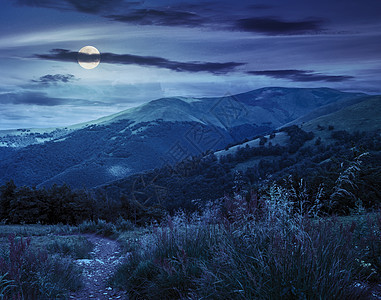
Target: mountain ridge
(162,131)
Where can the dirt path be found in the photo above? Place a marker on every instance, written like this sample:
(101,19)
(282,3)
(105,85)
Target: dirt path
(105,258)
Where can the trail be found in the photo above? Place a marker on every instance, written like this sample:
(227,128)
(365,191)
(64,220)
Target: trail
(97,270)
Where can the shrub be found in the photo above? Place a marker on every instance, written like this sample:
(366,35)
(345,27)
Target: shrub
(124,225)
(100,227)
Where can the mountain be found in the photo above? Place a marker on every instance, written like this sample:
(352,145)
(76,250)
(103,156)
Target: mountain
(160,132)
(310,158)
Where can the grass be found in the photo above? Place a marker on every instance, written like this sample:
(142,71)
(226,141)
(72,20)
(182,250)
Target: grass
(35,230)
(129,240)
(241,250)
(5,285)
(232,249)
(36,261)
(30,273)
(76,247)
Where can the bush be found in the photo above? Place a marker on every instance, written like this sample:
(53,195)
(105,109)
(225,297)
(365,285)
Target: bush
(100,227)
(124,225)
(28,273)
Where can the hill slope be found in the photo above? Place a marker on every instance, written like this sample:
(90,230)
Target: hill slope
(160,132)
(319,156)
(362,116)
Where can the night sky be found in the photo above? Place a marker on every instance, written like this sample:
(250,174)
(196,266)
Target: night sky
(153,49)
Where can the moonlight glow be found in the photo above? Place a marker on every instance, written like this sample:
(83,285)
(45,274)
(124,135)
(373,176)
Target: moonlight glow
(89,57)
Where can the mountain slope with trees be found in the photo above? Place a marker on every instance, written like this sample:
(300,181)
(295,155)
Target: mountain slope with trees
(161,132)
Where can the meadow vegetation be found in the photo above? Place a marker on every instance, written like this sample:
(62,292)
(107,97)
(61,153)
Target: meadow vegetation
(255,248)
(237,247)
(27,272)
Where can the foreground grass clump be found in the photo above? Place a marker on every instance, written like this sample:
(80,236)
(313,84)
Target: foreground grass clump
(77,247)
(254,249)
(29,273)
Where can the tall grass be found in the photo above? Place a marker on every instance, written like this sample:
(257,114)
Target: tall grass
(29,273)
(76,247)
(5,285)
(250,248)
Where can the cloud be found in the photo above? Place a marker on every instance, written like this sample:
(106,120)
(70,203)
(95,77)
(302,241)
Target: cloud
(30,98)
(86,6)
(301,75)
(54,79)
(259,6)
(275,26)
(215,15)
(160,18)
(150,61)
(41,99)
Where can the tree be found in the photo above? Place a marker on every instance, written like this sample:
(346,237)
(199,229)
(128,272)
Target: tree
(7,194)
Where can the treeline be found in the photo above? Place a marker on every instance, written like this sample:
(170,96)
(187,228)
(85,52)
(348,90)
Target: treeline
(58,204)
(61,204)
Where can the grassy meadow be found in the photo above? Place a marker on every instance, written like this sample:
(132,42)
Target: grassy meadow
(235,248)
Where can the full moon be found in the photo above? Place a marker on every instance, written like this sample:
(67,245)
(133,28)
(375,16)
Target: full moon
(89,57)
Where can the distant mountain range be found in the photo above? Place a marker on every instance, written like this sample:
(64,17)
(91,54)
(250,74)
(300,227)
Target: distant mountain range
(167,130)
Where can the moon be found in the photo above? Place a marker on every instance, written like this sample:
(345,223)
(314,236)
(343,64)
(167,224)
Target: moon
(89,57)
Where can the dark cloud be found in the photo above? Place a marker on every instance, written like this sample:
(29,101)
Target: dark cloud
(94,6)
(54,79)
(86,6)
(30,98)
(301,75)
(150,61)
(259,6)
(275,26)
(13,116)
(42,99)
(215,15)
(160,18)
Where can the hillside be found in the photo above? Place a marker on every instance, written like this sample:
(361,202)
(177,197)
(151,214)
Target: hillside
(161,132)
(318,154)
(362,116)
